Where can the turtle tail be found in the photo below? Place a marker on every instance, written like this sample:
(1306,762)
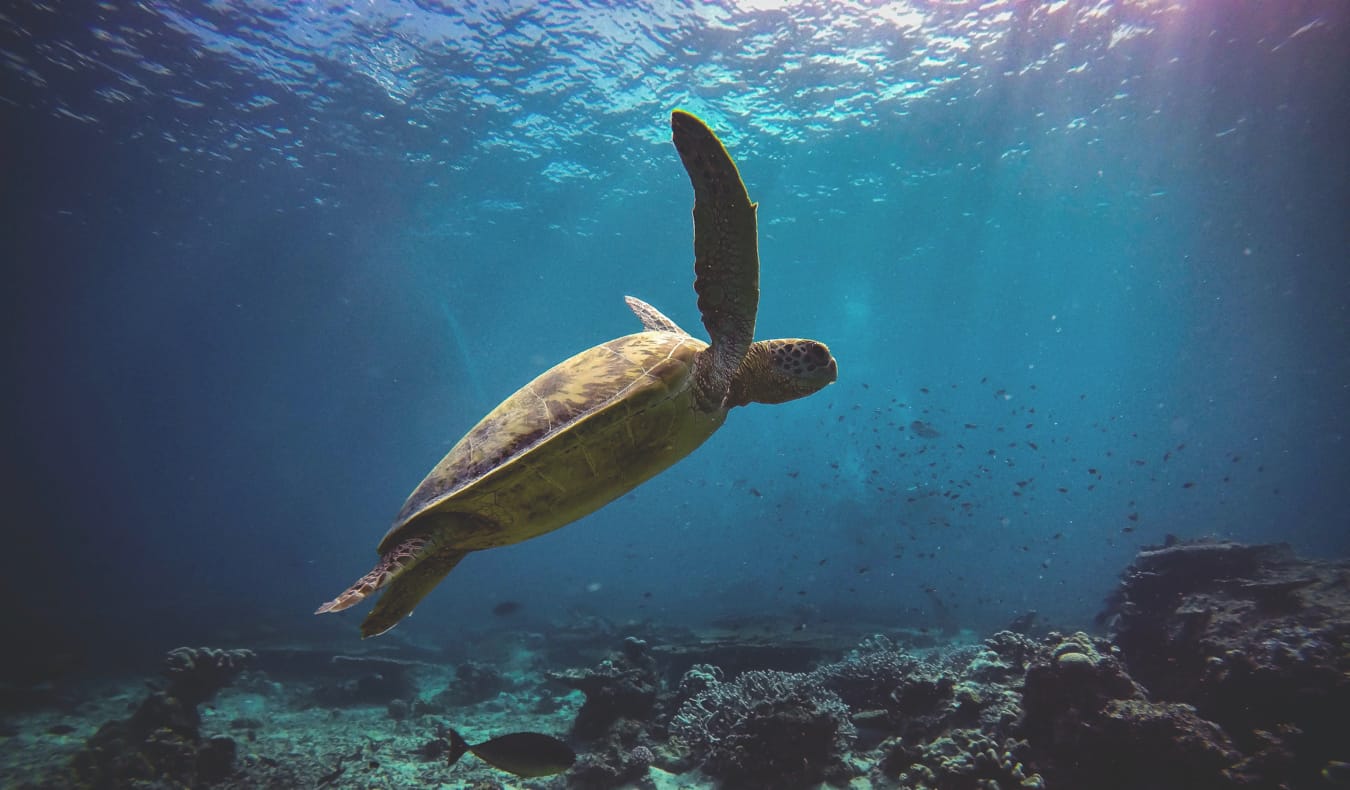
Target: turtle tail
(397,560)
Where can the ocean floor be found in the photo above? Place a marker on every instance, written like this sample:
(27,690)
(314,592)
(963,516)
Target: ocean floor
(1217,665)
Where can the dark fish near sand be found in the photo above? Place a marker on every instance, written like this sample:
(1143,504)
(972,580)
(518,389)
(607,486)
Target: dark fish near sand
(526,754)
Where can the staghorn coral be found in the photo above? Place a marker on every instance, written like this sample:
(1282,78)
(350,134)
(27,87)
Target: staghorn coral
(767,729)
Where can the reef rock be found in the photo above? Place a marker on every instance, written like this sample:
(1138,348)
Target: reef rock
(160,744)
(1091,725)
(623,686)
(1256,639)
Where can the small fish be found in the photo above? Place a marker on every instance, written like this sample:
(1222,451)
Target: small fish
(506,608)
(526,754)
(924,430)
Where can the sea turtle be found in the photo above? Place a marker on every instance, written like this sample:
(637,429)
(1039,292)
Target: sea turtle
(599,424)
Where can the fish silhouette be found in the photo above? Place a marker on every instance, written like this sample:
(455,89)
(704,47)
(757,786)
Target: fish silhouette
(526,754)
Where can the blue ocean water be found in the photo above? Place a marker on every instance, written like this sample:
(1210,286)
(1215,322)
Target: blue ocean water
(266,262)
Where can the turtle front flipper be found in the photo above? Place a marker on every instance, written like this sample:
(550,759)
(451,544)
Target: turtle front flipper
(726,252)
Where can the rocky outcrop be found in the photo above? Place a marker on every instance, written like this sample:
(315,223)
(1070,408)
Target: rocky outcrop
(1255,638)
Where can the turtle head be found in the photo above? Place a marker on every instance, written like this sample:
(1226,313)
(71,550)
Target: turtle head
(777,371)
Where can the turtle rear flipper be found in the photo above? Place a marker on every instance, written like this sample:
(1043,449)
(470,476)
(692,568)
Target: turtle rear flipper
(407,589)
(410,570)
(726,252)
(391,564)
(653,320)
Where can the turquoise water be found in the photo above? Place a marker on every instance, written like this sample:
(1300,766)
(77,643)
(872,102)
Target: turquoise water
(268,262)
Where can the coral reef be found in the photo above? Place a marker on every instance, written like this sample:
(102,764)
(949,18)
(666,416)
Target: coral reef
(474,682)
(1226,666)
(1091,725)
(1255,638)
(623,686)
(960,759)
(365,680)
(197,673)
(898,692)
(161,742)
(767,729)
(621,694)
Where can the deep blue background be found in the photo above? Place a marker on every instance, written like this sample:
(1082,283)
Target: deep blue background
(262,270)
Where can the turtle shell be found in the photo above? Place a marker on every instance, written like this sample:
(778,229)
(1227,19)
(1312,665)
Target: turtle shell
(581,434)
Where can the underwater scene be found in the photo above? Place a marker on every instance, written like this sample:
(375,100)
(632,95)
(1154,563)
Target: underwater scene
(740,394)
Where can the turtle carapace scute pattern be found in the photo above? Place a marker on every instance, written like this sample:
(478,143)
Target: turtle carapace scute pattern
(597,425)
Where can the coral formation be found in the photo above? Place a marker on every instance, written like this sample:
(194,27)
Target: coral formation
(1092,725)
(365,680)
(623,686)
(961,759)
(474,682)
(767,729)
(161,742)
(1255,638)
(197,673)
(907,694)
(1226,667)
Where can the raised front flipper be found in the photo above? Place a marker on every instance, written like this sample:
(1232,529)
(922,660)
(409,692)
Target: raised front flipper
(726,251)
